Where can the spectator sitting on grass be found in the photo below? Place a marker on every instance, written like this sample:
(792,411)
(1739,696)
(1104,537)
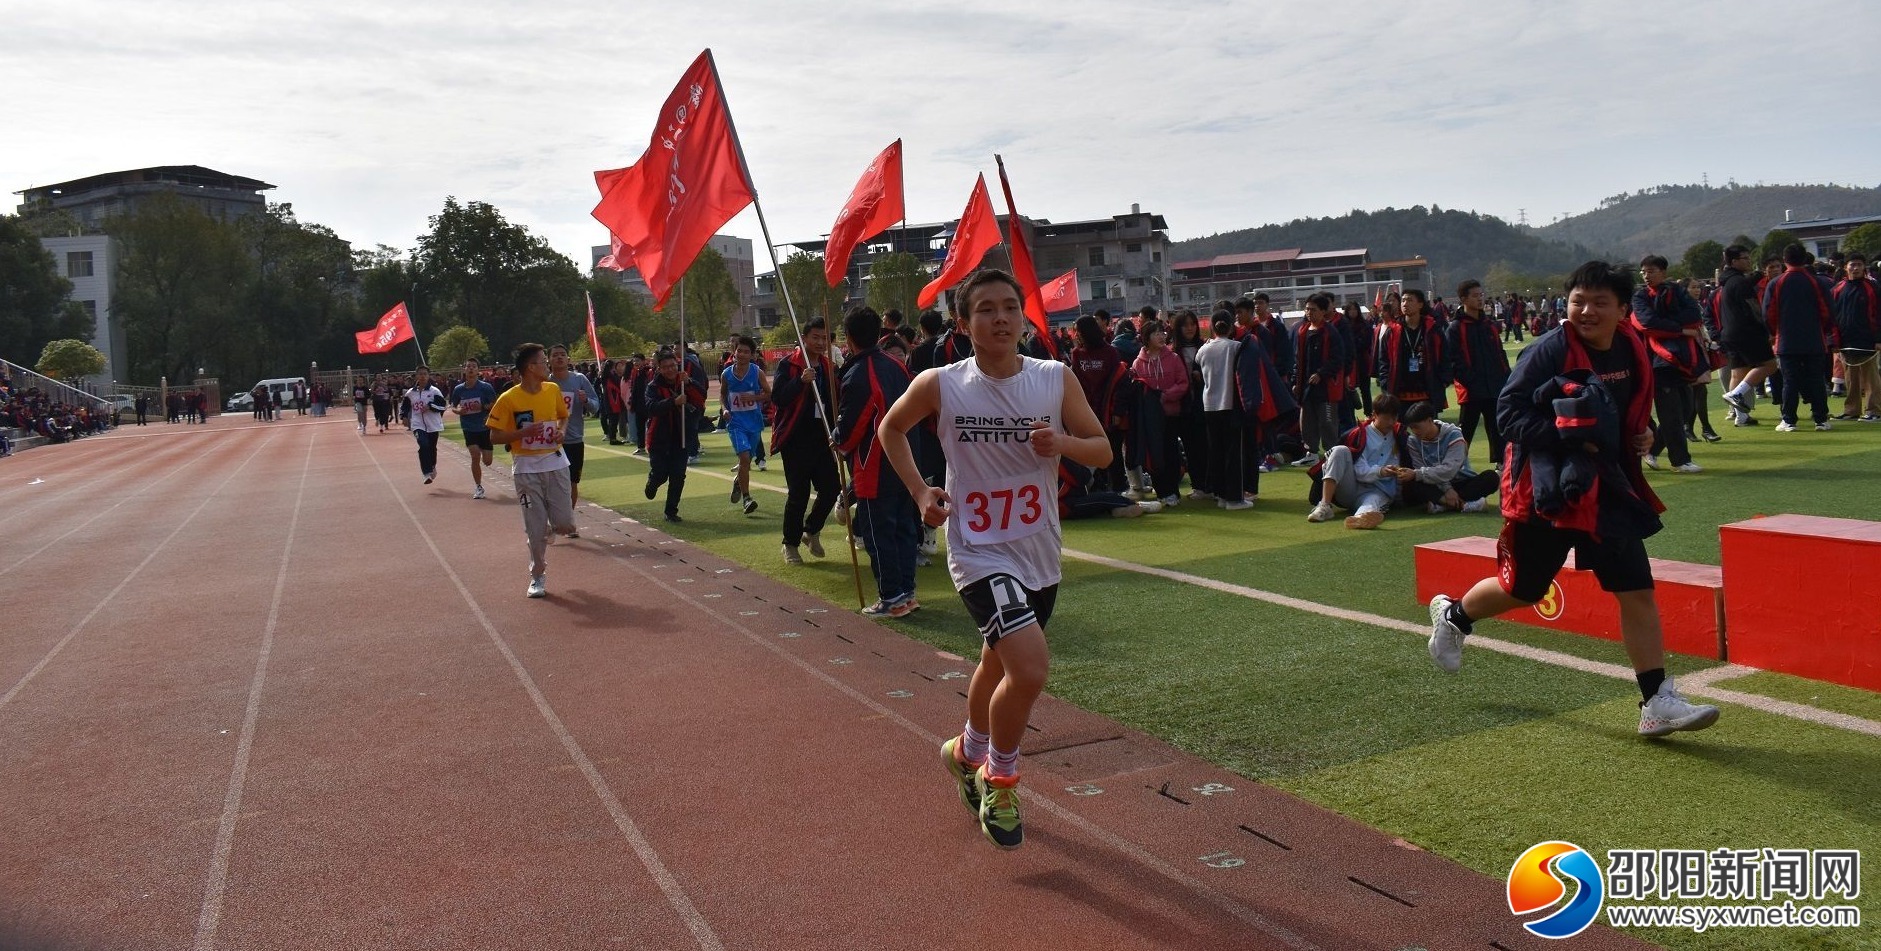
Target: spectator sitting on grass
(1438,474)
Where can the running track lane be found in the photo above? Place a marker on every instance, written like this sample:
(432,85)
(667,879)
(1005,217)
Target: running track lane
(437,761)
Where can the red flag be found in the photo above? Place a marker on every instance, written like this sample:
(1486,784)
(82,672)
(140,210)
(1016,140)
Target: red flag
(1061,293)
(393,329)
(873,205)
(1022,266)
(593,341)
(618,258)
(976,234)
(689,182)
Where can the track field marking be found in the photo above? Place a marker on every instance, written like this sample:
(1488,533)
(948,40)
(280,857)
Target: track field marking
(1700,684)
(148,485)
(112,595)
(668,883)
(42,501)
(211,917)
(1695,684)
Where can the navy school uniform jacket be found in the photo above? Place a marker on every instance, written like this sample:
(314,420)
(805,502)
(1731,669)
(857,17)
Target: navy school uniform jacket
(1621,504)
(1395,351)
(1662,315)
(1263,393)
(1858,313)
(1279,343)
(791,396)
(666,410)
(1322,353)
(1796,303)
(1477,360)
(871,383)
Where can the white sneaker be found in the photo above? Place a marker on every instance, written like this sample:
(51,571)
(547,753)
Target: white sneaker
(1199,496)
(1689,468)
(536,588)
(1476,505)
(1786,427)
(1304,462)
(930,540)
(1150,507)
(1668,712)
(791,555)
(1446,641)
(761,465)
(815,542)
(1652,462)
(1170,501)
(1823,426)
(1237,505)
(1432,508)
(1321,513)
(477,494)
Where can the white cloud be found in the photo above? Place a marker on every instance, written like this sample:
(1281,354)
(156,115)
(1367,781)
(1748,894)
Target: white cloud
(1216,115)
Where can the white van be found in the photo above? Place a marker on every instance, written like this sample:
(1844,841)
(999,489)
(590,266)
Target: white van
(282,390)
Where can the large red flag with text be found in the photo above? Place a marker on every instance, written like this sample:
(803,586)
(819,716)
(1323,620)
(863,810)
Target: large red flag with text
(689,182)
(1061,292)
(393,329)
(594,342)
(873,205)
(1021,253)
(976,234)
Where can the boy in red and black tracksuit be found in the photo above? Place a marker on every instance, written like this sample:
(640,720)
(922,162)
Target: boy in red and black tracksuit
(800,434)
(1796,304)
(1411,356)
(1480,367)
(887,522)
(1667,319)
(670,398)
(1857,302)
(1608,523)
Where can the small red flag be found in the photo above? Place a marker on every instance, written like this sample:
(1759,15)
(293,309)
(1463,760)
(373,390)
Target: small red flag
(1061,293)
(976,234)
(873,205)
(689,182)
(594,342)
(394,328)
(1022,268)
(618,258)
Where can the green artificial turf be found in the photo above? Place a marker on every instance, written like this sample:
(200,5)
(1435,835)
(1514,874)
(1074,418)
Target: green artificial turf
(1476,767)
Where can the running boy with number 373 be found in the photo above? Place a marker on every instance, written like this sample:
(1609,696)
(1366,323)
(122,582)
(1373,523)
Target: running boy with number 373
(1005,420)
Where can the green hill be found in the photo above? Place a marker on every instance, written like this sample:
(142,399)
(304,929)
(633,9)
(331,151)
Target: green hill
(1458,244)
(1667,219)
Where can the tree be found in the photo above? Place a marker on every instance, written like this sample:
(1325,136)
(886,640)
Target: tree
(475,269)
(33,306)
(895,281)
(67,360)
(1702,260)
(1773,245)
(178,292)
(1866,239)
(452,347)
(617,306)
(617,342)
(710,297)
(301,293)
(802,278)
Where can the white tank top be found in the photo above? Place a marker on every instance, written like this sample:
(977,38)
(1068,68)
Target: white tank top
(1005,497)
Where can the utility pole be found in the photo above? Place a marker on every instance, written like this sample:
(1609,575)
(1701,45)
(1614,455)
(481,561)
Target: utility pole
(1521,217)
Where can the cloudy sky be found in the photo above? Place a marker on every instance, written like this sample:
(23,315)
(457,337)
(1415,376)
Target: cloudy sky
(1218,115)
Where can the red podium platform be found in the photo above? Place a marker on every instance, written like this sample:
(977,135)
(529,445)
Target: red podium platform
(1691,597)
(1800,594)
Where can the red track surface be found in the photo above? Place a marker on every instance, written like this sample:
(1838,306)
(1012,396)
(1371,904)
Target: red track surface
(261,688)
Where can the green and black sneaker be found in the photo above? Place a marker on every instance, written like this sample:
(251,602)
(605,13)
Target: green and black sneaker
(999,809)
(962,774)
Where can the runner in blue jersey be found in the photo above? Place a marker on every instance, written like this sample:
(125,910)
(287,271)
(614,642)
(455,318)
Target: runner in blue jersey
(471,401)
(743,391)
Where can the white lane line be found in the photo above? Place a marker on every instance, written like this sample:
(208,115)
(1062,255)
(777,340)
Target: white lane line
(1698,685)
(147,486)
(154,552)
(68,465)
(1240,912)
(211,917)
(667,881)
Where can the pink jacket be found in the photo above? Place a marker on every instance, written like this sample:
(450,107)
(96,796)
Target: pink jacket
(1165,372)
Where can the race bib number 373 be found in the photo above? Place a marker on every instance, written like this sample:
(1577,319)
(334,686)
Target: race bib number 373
(993,512)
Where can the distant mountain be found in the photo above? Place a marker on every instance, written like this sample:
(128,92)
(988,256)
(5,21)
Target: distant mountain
(1668,219)
(1458,244)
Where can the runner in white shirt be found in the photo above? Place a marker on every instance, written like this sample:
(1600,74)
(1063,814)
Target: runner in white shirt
(426,404)
(1005,420)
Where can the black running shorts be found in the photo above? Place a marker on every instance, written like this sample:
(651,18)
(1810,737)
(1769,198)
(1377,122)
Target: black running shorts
(1530,554)
(1000,605)
(575,452)
(1752,353)
(477,439)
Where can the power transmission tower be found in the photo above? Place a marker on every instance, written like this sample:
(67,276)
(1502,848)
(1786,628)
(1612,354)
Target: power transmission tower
(1521,217)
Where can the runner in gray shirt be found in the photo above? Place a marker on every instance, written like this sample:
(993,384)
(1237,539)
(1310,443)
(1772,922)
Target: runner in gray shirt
(578,393)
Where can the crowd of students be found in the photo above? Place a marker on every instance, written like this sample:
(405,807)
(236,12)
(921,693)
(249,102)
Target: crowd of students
(39,413)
